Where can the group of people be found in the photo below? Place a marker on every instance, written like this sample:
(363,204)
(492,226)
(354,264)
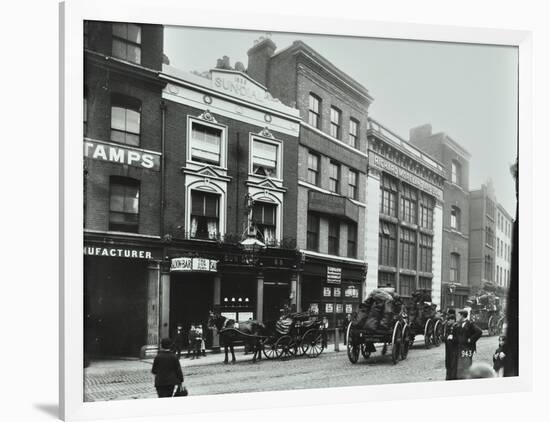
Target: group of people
(194,341)
(462,335)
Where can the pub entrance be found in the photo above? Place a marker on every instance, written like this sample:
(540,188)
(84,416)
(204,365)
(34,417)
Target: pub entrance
(275,298)
(191,300)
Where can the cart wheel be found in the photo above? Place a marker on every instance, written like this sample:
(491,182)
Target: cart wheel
(406,342)
(285,347)
(364,351)
(312,343)
(396,342)
(492,325)
(500,326)
(353,349)
(269,349)
(428,333)
(438,333)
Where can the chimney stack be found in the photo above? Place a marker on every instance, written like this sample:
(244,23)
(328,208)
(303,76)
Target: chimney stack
(420,132)
(258,59)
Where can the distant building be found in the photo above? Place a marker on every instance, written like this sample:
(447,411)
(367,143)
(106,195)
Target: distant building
(404,215)
(332,166)
(456,211)
(504,248)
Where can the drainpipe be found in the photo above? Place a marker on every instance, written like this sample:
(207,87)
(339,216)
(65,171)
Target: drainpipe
(162,164)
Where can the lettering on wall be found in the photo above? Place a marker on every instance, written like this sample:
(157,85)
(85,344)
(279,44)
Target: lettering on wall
(104,151)
(193,264)
(117,252)
(240,86)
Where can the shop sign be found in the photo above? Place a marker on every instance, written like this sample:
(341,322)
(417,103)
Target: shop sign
(349,308)
(385,165)
(351,291)
(117,252)
(329,308)
(337,292)
(326,291)
(135,157)
(334,275)
(239,85)
(314,308)
(339,308)
(193,264)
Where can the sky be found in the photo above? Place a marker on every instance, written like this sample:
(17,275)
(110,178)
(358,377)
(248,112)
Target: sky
(467,91)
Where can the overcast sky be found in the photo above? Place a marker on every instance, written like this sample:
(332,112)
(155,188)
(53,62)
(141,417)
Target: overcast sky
(467,91)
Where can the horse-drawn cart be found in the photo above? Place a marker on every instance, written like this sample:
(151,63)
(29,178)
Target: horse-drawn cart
(378,320)
(423,319)
(295,334)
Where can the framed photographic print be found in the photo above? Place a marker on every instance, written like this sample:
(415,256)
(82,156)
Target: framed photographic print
(232,165)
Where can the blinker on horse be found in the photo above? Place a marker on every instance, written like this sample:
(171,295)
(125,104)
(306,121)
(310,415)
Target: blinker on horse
(248,332)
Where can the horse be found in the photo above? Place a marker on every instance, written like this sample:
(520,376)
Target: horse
(249,332)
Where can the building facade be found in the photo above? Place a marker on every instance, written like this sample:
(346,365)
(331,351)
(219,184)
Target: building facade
(404,220)
(332,164)
(483,222)
(503,256)
(179,170)
(456,212)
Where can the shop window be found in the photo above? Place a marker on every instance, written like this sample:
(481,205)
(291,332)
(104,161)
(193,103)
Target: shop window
(352,240)
(335,122)
(265,158)
(352,184)
(127,42)
(125,119)
(427,205)
(408,248)
(386,279)
(204,215)
(454,273)
(426,253)
(408,204)
(456,170)
(206,143)
(334,177)
(264,216)
(333,236)
(124,204)
(387,244)
(314,112)
(312,232)
(455,218)
(388,203)
(313,168)
(406,285)
(353,132)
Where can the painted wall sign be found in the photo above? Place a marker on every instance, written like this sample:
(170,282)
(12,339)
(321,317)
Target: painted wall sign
(329,308)
(193,264)
(105,151)
(389,167)
(117,252)
(327,291)
(239,85)
(337,292)
(334,275)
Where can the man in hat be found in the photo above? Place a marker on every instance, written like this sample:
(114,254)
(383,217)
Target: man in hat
(466,334)
(451,347)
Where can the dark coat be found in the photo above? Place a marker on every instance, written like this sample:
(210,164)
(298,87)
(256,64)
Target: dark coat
(498,362)
(179,339)
(167,369)
(451,352)
(467,334)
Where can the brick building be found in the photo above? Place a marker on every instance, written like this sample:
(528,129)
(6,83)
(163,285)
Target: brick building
(332,163)
(404,230)
(483,222)
(456,210)
(503,257)
(179,170)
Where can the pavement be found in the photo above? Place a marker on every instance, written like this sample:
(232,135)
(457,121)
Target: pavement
(132,379)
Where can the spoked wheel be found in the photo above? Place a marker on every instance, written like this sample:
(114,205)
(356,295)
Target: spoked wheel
(353,349)
(269,349)
(285,347)
(406,342)
(312,343)
(396,341)
(365,350)
(438,333)
(428,333)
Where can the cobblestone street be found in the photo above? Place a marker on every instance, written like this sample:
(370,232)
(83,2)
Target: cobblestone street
(120,380)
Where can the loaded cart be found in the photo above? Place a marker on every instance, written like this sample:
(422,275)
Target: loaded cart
(423,318)
(294,334)
(380,319)
(486,312)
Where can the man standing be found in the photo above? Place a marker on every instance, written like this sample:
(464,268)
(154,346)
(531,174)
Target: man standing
(466,334)
(451,348)
(167,370)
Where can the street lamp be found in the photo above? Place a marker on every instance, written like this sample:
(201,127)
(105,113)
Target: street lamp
(452,288)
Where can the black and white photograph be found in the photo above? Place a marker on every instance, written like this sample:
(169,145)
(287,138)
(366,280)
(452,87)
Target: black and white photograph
(271,211)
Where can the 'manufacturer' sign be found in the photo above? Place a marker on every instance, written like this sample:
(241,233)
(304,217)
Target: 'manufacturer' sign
(117,252)
(193,264)
(105,151)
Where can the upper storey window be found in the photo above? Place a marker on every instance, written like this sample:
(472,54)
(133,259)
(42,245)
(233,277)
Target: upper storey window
(265,158)
(314,114)
(335,122)
(206,143)
(125,119)
(353,132)
(127,42)
(456,173)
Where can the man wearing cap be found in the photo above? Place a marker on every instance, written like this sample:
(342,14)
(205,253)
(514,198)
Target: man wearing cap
(466,334)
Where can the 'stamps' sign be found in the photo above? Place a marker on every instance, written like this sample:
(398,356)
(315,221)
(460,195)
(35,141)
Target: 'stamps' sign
(193,264)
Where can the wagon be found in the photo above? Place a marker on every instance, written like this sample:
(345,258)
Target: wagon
(297,334)
(423,319)
(485,310)
(362,341)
